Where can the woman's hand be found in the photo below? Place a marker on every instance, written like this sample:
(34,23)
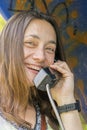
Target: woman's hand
(63,91)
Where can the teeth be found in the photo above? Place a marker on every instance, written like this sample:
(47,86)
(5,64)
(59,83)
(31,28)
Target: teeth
(34,67)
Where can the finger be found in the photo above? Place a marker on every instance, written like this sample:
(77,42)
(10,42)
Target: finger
(63,71)
(63,65)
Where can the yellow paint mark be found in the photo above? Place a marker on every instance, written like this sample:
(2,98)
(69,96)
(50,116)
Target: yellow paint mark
(69,1)
(70,30)
(2,22)
(74,14)
(48,1)
(25,5)
(80,84)
(72,61)
(20,5)
(82,37)
(40,6)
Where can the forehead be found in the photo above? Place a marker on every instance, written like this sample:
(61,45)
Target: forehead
(40,27)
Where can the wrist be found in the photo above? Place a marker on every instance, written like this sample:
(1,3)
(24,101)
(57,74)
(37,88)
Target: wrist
(66,100)
(69,107)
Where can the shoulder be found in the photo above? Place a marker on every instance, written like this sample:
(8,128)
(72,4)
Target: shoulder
(6,125)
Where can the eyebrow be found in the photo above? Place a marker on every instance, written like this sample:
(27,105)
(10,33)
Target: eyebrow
(35,36)
(31,35)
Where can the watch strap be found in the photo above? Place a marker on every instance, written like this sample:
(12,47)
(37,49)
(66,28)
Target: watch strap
(69,107)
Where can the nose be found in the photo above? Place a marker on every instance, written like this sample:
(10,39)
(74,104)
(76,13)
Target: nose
(39,55)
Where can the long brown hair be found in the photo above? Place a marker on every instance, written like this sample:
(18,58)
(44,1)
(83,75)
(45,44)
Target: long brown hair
(15,92)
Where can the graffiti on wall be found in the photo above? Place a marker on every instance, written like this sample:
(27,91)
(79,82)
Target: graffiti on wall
(71,16)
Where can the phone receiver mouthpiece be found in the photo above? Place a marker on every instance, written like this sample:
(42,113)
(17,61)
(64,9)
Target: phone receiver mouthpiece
(43,78)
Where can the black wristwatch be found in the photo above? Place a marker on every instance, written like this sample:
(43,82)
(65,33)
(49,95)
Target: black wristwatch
(69,107)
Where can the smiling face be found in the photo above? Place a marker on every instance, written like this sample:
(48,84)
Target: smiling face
(39,47)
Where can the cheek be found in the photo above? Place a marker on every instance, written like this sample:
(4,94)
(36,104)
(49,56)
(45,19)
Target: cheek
(50,60)
(25,52)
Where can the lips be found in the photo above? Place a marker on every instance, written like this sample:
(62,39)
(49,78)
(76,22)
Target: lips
(32,67)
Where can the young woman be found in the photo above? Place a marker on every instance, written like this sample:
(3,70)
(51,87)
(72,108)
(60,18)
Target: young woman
(29,42)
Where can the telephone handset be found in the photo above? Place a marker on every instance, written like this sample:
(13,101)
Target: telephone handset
(45,80)
(45,76)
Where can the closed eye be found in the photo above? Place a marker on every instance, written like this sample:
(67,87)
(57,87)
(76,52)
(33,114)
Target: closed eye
(30,44)
(50,50)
